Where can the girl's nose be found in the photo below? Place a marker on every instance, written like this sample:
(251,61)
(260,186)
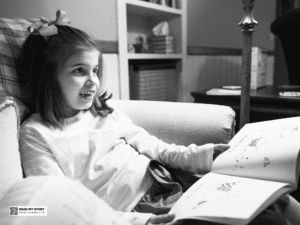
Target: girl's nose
(90,82)
(92,79)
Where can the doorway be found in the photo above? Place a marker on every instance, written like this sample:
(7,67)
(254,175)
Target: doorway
(280,67)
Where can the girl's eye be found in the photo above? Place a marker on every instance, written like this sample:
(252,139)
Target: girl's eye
(96,70)
(78,70)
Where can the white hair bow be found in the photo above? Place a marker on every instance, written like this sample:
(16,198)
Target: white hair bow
(42,26)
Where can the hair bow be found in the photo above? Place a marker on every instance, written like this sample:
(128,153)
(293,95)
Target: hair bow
(42,26)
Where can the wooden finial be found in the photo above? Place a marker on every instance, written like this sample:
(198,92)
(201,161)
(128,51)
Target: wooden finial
(248,20)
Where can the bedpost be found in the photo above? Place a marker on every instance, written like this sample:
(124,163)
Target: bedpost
(247,25)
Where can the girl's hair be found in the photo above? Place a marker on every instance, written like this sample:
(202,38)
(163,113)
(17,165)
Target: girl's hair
(38,65)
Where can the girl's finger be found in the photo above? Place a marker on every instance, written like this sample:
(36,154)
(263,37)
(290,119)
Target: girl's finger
(165,218)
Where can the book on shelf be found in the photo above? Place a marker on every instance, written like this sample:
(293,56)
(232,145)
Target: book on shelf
(162,38)
(162,43)
(261,165)
(148,67)
(232,87)
(258,68)
(223,91)
(290,94)
(163,51)
(163,46)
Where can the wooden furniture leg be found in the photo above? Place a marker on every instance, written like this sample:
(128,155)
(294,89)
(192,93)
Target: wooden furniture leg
(247,25)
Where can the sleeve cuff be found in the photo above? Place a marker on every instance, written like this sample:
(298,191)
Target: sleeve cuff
(136,218)
(203,159)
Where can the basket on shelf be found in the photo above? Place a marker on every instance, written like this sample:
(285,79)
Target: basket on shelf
(153,82)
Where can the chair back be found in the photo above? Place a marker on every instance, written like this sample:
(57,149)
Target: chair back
(13,33)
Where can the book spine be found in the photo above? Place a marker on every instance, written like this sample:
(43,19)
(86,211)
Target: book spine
(161,41)
(163,46)
(164,51)
(153,67)
(162,38)
(258,68)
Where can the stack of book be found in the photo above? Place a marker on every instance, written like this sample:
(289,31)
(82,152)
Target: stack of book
(162,44)
(258,68)
(153,82)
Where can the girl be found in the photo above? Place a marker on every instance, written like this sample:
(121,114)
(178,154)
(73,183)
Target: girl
(76,133)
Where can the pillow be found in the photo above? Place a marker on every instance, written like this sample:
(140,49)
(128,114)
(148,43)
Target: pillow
(13,33)
(10,163)
(67,202)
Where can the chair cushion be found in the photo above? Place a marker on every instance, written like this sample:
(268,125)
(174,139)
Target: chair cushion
(181,123)
(13,33)
(10,163)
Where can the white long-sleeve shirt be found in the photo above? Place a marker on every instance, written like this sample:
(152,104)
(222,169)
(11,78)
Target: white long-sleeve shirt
(109,155)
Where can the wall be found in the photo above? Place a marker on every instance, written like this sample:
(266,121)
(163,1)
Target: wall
(210,23)
(207,71)
(215,23)
(97,17)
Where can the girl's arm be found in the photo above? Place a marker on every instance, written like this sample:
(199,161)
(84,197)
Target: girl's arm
(37,159)
(192,158)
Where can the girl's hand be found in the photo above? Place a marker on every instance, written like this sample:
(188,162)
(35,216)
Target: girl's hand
(219,149)
(160,219)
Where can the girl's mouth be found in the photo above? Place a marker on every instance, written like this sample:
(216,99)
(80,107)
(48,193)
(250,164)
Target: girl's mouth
(87,94)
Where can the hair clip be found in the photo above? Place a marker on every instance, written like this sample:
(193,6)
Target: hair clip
(42,26)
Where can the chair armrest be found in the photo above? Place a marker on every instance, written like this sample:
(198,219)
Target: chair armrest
(181,123)
(10,162)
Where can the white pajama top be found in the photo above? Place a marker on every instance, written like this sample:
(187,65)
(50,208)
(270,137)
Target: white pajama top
(109,155)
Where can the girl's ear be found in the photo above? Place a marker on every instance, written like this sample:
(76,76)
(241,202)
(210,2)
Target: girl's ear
(101,76)
(100,63)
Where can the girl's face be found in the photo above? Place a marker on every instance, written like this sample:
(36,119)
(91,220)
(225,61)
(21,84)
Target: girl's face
(78,81)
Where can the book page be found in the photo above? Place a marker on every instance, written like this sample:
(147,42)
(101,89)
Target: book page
(227,199)
(265,150)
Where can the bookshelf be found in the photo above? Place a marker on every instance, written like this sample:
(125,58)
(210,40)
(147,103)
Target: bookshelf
(138,18)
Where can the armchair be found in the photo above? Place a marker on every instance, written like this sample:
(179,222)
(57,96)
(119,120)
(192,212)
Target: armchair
(180,123)
(173,122)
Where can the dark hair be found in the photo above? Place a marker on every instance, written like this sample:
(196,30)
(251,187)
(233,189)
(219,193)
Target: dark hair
(37,68)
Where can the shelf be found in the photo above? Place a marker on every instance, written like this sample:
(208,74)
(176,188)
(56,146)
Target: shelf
(148,9)
(154,56)
(137,18)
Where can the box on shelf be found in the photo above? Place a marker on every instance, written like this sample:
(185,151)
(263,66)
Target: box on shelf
(153,82)
(162,44)
(258,68)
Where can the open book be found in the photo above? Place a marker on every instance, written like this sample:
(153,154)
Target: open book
(261,165)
